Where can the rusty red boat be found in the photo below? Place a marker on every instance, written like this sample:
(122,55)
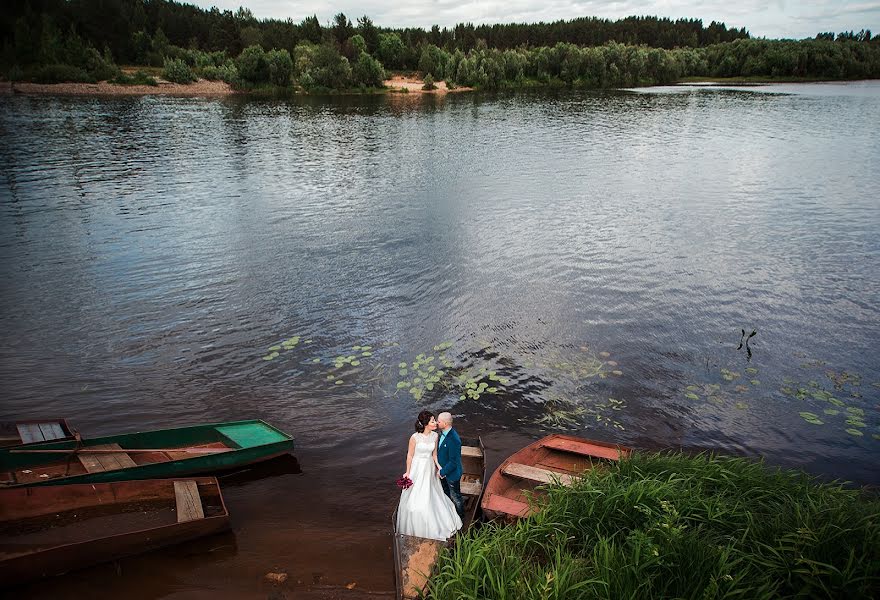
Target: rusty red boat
(555,459)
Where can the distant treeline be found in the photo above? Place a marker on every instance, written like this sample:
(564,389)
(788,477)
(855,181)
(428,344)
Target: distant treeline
(84,40)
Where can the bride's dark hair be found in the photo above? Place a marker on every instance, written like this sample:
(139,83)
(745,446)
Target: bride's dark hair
(424,418)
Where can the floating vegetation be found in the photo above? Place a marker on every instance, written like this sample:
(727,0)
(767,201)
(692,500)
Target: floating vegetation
(433,373)
(843,378)
(562,413)
(840,396)
(811,418)
(348,364)
(729,375)
(288,344)
(710,391)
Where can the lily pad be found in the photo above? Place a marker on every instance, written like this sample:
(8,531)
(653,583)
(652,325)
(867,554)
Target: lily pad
(854,432)
(811,418)
(755,382)
(692,396)
(338,382)
(274,348)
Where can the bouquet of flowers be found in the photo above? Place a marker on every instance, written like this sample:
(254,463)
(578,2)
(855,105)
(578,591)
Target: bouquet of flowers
(404,483)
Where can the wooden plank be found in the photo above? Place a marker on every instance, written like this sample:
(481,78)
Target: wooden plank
(470,488)
(30,433)
(471,451)
(52,431)
(535,474)
(113,461)
(189,503)
(508,506)
(90,462)
(583,448)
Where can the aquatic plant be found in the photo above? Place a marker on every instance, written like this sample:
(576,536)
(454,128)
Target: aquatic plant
(288,344)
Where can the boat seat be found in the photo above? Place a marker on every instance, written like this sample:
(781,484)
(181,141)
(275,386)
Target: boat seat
(112,461)
(508,506)
(189,503)
(471,451)
(39,432)
(470,488)
(582,448)
(536,474)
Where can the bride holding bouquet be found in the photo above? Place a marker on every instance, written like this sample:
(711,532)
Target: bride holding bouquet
(424,510)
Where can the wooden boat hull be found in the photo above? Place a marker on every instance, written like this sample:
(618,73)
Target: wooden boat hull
(555,458)
(237,444)
(52,530)
(34,431)
(415,558)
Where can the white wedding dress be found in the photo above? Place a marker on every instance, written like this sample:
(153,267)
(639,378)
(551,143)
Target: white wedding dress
(424,510)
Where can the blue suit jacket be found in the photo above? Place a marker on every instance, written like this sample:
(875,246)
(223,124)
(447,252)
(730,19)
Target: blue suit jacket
(449,456)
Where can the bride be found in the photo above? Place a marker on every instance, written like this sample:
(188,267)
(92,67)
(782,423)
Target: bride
(424,510)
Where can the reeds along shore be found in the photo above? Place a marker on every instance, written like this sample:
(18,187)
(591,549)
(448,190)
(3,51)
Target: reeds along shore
(672,526)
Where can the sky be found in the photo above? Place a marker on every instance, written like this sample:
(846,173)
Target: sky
(762,18)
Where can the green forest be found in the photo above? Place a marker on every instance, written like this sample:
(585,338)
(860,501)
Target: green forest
(50,41)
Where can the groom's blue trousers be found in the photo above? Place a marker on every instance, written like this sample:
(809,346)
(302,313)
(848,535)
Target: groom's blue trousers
(453,490)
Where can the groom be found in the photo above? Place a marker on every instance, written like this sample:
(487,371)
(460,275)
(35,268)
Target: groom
(449,457)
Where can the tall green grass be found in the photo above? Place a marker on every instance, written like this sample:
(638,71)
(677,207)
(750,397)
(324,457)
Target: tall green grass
(672,526)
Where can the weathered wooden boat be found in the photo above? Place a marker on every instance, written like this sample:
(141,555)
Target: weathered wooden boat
(147,455)
(51,530)
(415,557)
(34,431)
(555,459)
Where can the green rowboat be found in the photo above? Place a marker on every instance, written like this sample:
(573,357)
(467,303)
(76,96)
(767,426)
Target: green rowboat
(144,455)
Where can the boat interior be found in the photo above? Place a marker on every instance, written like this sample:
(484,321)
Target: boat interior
(36,519)
(29,465)
(556,459)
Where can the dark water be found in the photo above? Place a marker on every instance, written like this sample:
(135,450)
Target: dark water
(578,247)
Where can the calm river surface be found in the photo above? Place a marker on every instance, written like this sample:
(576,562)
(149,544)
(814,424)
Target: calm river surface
(593,258)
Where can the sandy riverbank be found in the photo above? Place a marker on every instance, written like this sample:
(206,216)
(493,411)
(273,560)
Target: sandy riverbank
(202,87)
(414,84)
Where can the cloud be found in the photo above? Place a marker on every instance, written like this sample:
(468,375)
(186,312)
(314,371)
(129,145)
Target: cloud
(778,19)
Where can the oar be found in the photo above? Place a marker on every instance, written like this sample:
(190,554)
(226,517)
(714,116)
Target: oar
(125,450)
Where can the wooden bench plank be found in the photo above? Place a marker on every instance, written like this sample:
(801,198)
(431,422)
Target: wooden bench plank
(471,488)
(471,451)
(501,504)
(582,448)
(535,474)
(30,433)
(52,431)
(189,503)
(96,463)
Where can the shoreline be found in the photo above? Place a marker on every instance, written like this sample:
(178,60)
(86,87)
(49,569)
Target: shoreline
(202,87)
(397,85)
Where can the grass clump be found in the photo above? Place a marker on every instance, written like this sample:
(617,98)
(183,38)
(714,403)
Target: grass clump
(139,77)
(671,526)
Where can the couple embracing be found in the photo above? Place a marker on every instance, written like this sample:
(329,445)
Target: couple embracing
(432,507)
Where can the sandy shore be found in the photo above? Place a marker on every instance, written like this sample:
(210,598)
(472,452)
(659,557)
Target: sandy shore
(202,87)
(413,84)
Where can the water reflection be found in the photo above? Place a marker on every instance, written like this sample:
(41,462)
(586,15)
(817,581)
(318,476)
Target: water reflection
(153,250)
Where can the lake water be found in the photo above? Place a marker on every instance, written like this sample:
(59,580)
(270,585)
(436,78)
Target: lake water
(593,258)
